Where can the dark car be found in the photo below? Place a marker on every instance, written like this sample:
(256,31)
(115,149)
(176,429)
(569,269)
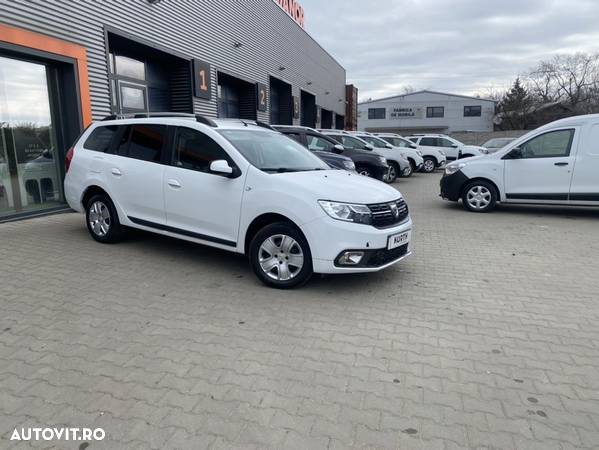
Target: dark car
(365,163)
(324,152)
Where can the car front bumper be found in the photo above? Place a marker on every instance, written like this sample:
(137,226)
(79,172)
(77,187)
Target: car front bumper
(451,185)
(330,238)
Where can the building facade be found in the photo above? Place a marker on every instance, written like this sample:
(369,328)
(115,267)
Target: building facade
(426,112)
(65,63)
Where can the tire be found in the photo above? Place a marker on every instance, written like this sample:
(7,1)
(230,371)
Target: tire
(102,220)
(430,164)
(479,196)
(413,165)
(410,173)
(394,172)
(274,240)
(364,170)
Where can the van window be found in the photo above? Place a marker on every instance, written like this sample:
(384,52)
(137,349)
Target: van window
(100,139)
(554,144)
(147,142)
(196,151)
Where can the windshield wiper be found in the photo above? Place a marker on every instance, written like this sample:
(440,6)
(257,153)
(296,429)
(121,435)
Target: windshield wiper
(288,170)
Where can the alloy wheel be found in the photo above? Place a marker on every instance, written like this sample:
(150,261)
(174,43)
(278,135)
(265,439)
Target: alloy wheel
(99,218)
(281,257)
(429,165)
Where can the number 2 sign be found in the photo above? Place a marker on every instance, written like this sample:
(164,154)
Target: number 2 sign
(202,82)
(262,97)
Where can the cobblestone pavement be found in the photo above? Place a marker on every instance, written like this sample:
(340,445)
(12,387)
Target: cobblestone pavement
(487,337)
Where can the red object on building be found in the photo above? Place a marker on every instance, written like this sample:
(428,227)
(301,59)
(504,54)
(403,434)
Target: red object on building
(351,107)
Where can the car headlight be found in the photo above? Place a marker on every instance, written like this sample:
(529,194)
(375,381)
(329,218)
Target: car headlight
(404,155)
(383,160)
(484,151)
(418,152)
(349,165)
(442,152)
(348,212)
(453,168)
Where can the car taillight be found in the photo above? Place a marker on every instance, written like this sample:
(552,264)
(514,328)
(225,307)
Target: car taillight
(68,158)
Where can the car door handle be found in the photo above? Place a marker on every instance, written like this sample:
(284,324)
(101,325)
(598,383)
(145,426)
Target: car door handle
(116,172)
(174,184)
(561,164)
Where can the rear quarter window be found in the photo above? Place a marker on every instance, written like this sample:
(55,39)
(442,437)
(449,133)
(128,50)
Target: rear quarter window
(100,139)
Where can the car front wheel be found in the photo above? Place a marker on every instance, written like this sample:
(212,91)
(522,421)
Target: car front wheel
(280,256)
(393,173)
(429,164)
(479,196)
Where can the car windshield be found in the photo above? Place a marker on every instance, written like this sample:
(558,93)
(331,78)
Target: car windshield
(497,142)
(273,152)
(374,141)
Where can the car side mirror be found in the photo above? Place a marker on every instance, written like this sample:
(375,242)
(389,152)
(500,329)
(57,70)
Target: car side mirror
(369,147)
(389,146)
(338,148)
(222,167)
(515,153)
(413,146)
(454,146)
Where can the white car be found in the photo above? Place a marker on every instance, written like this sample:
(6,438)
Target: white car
(555,164)
(398,165)
(431,157)
(386,149)
(452,148)
(238,186)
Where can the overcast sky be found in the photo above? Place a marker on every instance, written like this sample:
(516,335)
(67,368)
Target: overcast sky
(458,46)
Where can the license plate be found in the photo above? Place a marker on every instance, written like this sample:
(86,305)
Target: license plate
(397,240)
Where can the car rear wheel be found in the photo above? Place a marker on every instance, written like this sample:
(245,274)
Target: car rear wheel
(479,196)
(429,164)
(280,256)
(102,220)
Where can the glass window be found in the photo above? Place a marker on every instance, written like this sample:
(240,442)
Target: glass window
(435,111)
(146,142)
(445,142)
(549,145)
(316,143)
(414,140)
(295,136)
(129,67)
(351,142)
(100,139)
(429,142)
(273,152)
(133,97)
(374,141)
(376,113)
(196,151)
(472,111)
(228,102)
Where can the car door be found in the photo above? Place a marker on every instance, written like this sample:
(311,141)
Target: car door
(541,168)
(585,181)
(451,149)
(199,203)
(135,172)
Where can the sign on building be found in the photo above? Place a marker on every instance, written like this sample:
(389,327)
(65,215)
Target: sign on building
(294,9)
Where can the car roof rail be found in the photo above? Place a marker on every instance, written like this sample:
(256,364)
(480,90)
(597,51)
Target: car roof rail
(199,118)
(264,125)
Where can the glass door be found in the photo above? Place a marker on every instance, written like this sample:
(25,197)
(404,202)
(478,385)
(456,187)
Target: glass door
(30,178)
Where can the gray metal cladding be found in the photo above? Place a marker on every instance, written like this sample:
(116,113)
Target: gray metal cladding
(203,29)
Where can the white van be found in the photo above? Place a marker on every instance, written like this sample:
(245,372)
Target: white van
(557,164)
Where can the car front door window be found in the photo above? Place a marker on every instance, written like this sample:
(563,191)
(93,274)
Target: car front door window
(316,143)
(196,151)
(555,144)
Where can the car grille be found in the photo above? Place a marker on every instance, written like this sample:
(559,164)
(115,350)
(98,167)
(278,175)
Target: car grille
(381,257)
(388,214)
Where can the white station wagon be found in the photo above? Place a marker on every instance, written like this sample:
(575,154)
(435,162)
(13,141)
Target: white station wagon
(239,186)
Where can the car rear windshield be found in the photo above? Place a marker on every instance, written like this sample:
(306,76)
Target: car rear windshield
(273,152)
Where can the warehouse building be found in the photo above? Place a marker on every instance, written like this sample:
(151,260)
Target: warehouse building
(426,112)
(64,64)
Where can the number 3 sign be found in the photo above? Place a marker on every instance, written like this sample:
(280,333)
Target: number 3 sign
(202,83)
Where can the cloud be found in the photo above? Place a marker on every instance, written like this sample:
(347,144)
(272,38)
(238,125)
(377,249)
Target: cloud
(459,46)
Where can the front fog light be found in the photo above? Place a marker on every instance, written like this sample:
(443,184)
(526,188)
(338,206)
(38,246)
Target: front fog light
(351,258)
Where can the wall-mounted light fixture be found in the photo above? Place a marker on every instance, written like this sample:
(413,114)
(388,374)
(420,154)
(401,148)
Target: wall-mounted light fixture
(309,83)
(281,68)
(327,93)
(237,44)
(153,2)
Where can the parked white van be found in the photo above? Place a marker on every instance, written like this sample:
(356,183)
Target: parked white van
(556,164)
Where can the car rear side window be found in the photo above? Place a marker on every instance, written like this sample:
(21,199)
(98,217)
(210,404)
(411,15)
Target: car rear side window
(196,151)
(101,138)
(144,142)
(429,142)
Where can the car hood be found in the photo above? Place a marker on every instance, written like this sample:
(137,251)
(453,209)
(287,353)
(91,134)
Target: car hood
(331,156)
(340,186)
